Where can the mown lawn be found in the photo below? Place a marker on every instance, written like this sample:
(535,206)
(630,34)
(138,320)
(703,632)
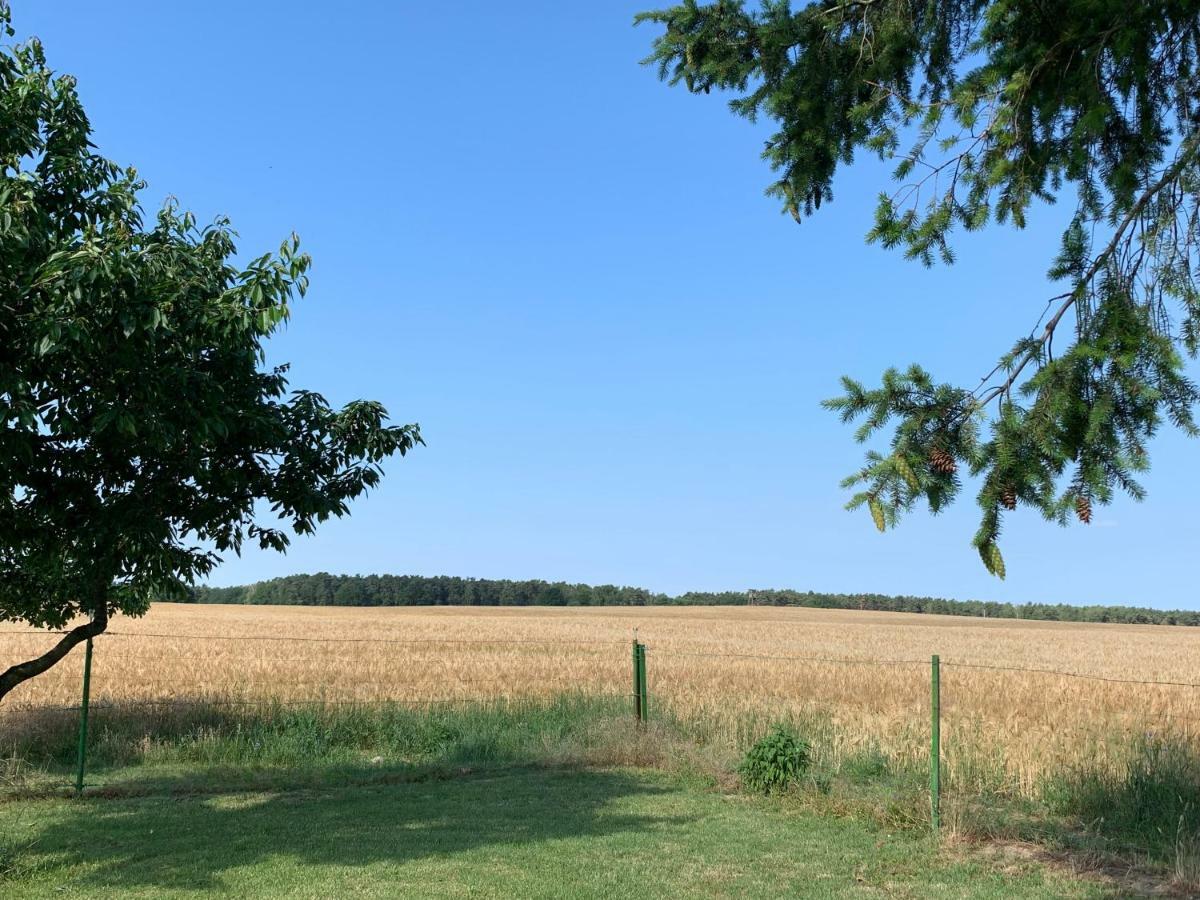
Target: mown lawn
(507,832)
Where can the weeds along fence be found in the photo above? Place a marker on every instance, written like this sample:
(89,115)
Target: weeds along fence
(976,728)
(971,726)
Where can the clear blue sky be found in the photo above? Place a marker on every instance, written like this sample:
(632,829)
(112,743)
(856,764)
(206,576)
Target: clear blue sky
(568,274)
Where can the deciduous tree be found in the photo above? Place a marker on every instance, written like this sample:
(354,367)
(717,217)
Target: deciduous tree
(141,432)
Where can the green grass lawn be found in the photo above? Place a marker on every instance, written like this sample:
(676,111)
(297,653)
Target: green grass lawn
(517,831)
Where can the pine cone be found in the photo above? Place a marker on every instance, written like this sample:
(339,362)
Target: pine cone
(1083,508)
(1008,498)
(942,462)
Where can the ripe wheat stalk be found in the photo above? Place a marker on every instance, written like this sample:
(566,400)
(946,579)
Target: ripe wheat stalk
(729,671)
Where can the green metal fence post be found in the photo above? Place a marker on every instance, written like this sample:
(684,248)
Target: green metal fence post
(83,717)
(644,701)
(637,682)
(935,750)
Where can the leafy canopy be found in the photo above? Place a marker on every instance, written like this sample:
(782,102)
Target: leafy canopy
(986,107)
(139,425)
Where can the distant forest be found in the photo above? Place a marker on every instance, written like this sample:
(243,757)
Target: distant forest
(324,589)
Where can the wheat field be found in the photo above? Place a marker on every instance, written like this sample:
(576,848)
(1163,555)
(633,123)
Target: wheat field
(730,669)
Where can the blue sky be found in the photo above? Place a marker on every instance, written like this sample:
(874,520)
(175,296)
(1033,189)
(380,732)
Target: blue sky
(568,274)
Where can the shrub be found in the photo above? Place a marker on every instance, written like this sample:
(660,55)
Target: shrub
(775,761)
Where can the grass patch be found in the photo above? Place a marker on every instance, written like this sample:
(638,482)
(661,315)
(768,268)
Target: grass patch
(1146,813)
(517,831)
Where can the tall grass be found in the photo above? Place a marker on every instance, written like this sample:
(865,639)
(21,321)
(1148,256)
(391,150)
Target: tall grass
(1150,806)
(1153,803)
(316,734)
(730,669)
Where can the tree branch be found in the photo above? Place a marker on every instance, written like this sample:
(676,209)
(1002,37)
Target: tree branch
(1186,156)
(848,4)
(22,672)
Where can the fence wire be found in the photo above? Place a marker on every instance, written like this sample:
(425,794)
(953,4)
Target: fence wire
(897,705)
(1063,674)
(847,660)
(593,647)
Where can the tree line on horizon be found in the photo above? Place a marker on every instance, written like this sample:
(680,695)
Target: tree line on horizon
(324,589)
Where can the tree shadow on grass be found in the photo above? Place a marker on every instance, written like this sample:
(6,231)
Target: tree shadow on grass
(190,841)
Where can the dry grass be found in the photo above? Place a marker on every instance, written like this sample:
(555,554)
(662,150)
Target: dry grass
(1003,728)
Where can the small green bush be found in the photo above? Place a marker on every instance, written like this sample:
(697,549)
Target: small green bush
(775,761)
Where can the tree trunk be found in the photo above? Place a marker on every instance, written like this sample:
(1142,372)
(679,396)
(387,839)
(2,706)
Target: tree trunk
(22,672)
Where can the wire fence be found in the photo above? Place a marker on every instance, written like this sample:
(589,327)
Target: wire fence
(660,651)
(1025,714)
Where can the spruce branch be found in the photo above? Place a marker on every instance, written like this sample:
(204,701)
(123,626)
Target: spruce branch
(1186,157)
(1022,108)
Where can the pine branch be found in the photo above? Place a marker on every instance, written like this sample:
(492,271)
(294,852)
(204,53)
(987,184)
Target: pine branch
(1186,156)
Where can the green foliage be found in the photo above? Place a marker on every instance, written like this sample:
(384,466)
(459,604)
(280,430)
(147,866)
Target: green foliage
(323,589)
(986,107)
(775,762)
(139,426)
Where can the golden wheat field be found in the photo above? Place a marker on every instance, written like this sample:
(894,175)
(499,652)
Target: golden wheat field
(867,674)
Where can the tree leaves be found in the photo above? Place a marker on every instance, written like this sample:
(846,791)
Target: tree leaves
(1004,106)
(140,434)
